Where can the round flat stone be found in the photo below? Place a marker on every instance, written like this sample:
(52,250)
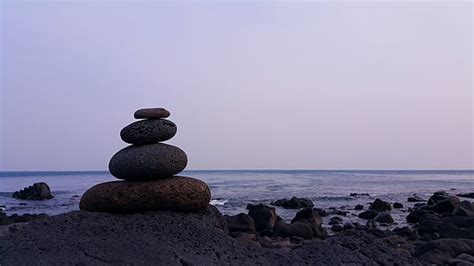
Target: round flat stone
(148,131)
(148,162)
(151,113)
(178,193)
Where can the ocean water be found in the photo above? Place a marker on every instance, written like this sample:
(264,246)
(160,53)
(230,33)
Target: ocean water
(232,190)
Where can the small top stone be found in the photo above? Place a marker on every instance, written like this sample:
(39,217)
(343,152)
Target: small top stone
(153,113)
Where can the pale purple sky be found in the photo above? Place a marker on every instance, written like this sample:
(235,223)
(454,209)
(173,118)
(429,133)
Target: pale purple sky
(251,85)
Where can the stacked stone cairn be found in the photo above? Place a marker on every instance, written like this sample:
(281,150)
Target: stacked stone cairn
(148,169)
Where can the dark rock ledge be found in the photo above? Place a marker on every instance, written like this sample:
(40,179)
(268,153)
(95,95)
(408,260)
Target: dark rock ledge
(180,239)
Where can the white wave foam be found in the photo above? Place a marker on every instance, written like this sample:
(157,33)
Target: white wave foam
(218,202)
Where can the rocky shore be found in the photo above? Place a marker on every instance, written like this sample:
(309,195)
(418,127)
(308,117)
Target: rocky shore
(441,231)
(176,239)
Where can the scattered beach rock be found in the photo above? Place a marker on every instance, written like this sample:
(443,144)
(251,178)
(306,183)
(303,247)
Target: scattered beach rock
(359,207)
(417,213)
(311,217)
(240,222)
(441,202)
(437,197)
(348,225)
(415,198)
(310,214)
(466,195)
(264,216)
(334,221)
(298,229)
(152,113)
(148,131)
(148,162)
(384,218)
(183,194)
(369,214)
(436,221)
(293,203)
(38,191)
(397,205)
(380,205)
(359,194)
(466,208)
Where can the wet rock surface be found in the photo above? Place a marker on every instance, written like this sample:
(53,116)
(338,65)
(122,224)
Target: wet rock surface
(445,216)
(380,205)
(293,203)
(466,195)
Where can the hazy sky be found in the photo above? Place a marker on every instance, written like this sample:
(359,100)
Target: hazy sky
(250,85)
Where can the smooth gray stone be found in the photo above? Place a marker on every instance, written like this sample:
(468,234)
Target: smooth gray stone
(148,131)
(148,162)
(177,193)
(151,113)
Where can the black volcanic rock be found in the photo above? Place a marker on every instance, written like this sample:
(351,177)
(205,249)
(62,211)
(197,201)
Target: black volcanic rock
(369,214)
(153,113)
(263,216)
(148,162)
(240,223)
(384,218)
(293,203)
(397,205)
(415,198)
(380,205)
(148,131)
(358,194)
(296,229)
(90,238)
(441,202)
(466,208)
(38,191)
(466,195)
(313,218)
(182,194)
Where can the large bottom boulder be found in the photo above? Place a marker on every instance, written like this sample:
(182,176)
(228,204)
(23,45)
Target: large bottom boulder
(178,193)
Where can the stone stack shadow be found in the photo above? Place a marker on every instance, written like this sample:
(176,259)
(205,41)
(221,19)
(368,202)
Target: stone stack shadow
(149,171)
